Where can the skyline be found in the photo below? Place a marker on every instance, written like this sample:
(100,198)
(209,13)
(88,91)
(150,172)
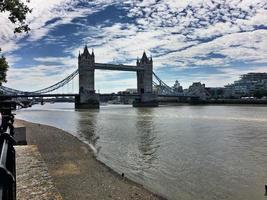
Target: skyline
(209,41)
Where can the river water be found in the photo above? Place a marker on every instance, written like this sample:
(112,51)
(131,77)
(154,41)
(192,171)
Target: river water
(180,152)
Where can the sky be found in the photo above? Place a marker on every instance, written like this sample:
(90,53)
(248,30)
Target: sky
(212,41)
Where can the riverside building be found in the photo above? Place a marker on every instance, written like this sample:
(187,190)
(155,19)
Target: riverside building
(248,85)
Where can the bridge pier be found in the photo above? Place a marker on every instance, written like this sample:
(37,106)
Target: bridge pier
(146,100)
(91,103)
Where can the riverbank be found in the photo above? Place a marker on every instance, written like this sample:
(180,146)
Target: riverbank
(235,101)
(76,172)
(246,102)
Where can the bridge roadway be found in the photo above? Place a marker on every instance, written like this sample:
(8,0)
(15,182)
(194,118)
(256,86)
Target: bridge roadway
(73,95)
(117,67)
(62,95)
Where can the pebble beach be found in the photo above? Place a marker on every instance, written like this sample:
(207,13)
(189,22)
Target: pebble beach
(76,172)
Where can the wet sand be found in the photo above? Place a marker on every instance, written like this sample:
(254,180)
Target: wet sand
(76,172)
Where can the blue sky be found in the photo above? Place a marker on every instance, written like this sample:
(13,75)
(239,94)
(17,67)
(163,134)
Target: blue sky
(209,41)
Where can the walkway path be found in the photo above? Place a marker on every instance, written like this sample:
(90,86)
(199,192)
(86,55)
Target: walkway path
(33,179)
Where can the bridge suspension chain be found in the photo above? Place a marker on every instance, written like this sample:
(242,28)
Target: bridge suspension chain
(11,91)
(164,89)
(58,84)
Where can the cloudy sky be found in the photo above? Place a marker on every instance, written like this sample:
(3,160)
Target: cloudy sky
(212,41)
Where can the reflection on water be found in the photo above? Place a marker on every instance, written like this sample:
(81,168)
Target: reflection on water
(147,142)
(86,127)
(183,152)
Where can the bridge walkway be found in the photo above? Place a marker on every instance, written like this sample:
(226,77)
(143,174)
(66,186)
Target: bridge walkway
(105,66)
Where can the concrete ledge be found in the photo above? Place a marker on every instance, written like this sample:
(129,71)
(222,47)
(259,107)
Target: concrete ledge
(33,180)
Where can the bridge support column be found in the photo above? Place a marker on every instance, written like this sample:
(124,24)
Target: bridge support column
(91,102)
(146,100)
(144,84)
(87,97)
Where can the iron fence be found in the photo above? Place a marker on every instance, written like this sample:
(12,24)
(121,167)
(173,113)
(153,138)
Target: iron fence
(7,152)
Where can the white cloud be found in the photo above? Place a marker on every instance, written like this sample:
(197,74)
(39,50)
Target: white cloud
(163,30)
(42,12)
(180,34)
(247,47)
(67,61)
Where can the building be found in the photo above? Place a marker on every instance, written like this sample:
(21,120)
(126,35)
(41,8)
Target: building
(177,87)
(198,89)
(216,92)
(127,99)
(131,91)
(248,86)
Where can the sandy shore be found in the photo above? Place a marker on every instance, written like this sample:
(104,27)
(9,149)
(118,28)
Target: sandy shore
(74,169)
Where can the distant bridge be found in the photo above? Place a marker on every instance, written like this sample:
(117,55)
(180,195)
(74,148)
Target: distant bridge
(149,85)
(162,89)
(32,95)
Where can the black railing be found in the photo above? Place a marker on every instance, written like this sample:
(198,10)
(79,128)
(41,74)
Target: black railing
(7,152)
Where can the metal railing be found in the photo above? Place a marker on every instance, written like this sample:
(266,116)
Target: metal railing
(7,153)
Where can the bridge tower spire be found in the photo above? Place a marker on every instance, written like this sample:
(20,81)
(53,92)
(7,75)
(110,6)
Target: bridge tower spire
(86,67)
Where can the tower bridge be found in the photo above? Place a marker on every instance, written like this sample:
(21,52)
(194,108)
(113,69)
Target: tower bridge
(88,98)
(87,66)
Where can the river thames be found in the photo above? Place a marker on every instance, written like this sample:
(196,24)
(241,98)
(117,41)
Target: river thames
(179,152)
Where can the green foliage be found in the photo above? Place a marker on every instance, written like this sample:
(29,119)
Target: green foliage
(17,13)
(3,69)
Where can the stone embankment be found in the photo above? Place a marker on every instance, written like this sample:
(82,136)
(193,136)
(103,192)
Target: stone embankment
(75,171)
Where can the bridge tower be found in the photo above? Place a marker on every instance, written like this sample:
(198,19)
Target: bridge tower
(86,66)
(144,83)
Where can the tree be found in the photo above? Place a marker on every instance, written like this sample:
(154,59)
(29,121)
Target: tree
(3,69)
(17,15)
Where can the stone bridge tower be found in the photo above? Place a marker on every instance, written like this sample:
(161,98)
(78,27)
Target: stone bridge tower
(86,67)
(87,97)
(144,83)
